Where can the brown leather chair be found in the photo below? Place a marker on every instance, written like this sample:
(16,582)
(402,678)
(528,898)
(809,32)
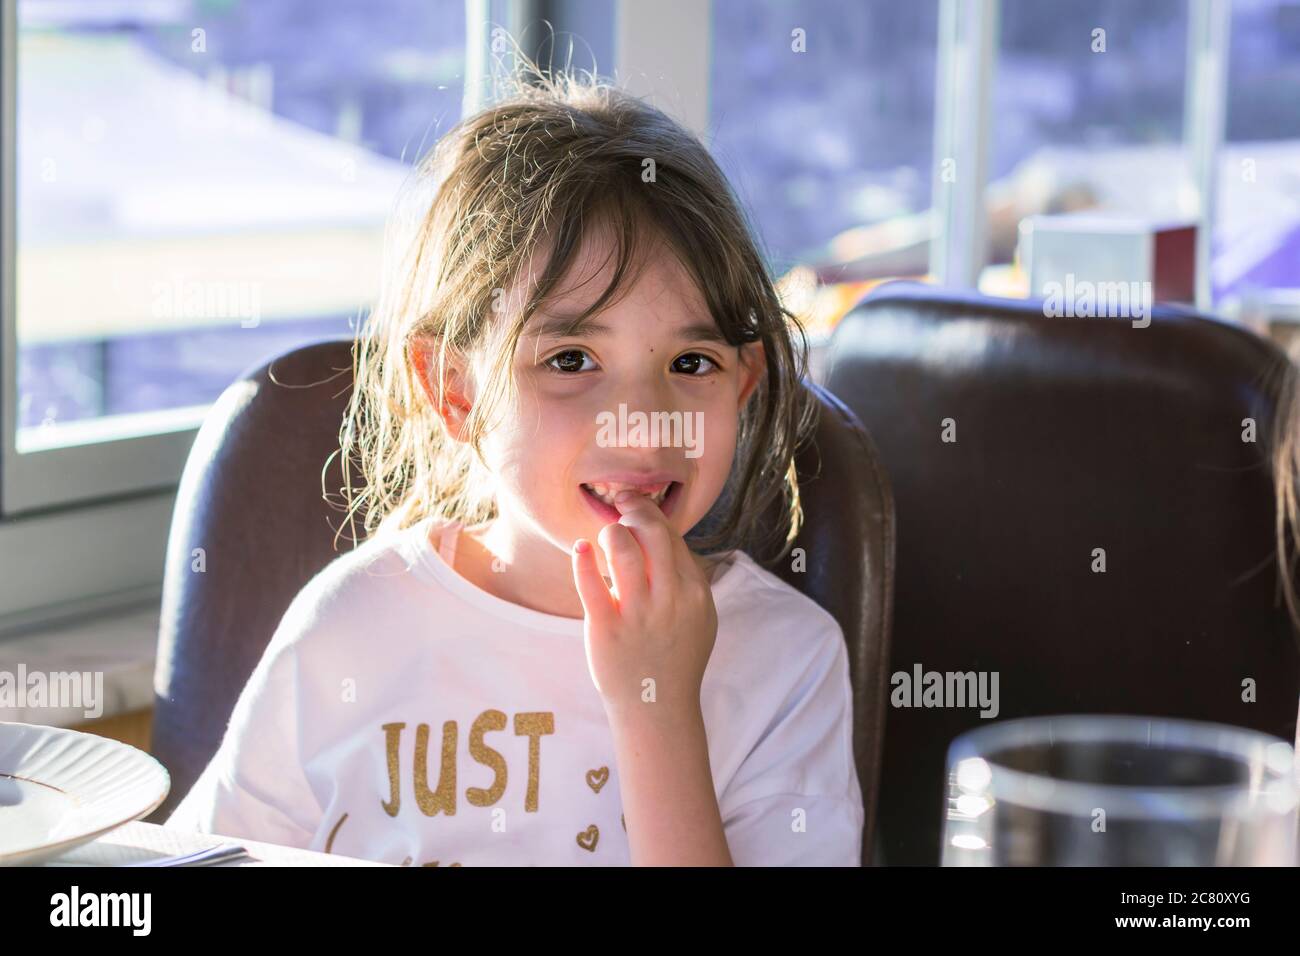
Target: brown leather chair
(251,499)
(1071,435)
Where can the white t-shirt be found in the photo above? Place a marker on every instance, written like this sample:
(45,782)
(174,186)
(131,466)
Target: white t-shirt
(401,713)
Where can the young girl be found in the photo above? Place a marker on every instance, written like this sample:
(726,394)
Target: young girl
(584,362)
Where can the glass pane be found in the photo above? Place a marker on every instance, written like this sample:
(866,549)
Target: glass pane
(1257,231)
(204,183)
(822,115)
(1087,114)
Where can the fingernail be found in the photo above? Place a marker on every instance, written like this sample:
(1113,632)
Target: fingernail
(625,495)
(582,546)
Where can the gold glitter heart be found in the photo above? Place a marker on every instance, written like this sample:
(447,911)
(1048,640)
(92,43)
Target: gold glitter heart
(587,838)
(597,778)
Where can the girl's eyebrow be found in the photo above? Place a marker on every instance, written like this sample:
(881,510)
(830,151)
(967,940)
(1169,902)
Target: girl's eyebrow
(564,326)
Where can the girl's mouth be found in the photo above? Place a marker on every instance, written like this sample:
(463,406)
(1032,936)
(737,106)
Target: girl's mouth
(600,497)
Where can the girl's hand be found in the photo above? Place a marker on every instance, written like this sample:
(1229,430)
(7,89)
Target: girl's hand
(648,640)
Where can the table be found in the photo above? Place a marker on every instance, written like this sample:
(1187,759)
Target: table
(137,841)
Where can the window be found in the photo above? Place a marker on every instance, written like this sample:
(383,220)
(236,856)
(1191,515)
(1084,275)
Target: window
(200,184)
(822,116)
(1257,228)
(190,186)
(1087,114)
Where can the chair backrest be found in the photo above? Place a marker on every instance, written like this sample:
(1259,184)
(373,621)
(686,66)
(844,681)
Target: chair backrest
(1027,454)
(251,500)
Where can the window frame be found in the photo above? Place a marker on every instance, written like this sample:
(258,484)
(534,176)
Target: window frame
(662,52)
(966,66)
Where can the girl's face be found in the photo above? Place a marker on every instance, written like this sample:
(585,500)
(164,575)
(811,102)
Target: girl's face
(647,394)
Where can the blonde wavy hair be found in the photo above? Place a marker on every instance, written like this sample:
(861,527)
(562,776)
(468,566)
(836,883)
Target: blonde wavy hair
(557,155)
(1286,473)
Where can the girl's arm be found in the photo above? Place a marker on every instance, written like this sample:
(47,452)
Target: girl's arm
(795,800)
(647,646)
(669,804)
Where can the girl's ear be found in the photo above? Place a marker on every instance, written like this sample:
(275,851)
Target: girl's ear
(457,392)
(753,361)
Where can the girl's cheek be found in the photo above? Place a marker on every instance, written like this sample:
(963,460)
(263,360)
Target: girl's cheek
(573,422)
(553,402)
(570,411)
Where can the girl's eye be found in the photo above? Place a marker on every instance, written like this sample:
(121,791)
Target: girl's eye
(689,364)
(570,360)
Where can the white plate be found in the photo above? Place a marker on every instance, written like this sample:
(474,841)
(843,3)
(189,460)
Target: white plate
(61,788)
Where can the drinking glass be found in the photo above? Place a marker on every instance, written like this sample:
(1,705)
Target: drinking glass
(1119,791)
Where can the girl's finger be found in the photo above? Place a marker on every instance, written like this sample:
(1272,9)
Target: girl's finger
(653,533)
(687,567)
(597,602)
(626,564)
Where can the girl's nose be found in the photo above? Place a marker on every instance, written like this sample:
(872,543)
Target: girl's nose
(649,399)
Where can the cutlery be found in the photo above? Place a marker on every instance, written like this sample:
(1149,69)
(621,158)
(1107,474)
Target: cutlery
(221,853)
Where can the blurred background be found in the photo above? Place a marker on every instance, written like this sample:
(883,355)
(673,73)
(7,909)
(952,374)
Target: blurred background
(203,183)
(193,186)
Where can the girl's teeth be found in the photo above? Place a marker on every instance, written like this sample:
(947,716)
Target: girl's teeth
(606,492)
